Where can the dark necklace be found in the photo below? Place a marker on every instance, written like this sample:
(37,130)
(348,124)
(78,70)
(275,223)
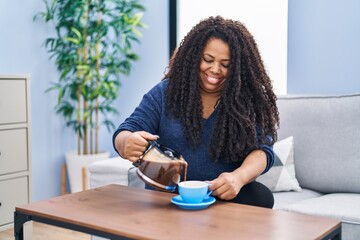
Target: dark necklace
(217,103)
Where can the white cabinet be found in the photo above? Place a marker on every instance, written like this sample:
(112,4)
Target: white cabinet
(15,146)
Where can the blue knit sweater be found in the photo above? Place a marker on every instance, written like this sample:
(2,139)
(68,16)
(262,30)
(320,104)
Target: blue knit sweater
(150,116)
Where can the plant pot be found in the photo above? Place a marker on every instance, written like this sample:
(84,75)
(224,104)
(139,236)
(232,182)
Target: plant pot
(75,164)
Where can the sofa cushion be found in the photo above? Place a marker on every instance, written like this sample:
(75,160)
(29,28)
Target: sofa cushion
(134,180)
(282,199)
(344,206)
(281,177)
(113,170)
(326,134)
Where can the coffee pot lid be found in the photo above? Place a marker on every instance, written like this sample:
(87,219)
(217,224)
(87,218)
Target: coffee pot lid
(168,152)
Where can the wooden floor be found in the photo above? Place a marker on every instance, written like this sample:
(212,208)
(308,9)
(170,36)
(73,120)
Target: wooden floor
(47,232)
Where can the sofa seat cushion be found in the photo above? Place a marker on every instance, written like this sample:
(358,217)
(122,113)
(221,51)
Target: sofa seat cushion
(342,206)
(282,199)
(110,171)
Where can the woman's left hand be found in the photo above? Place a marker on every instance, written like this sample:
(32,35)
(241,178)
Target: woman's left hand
(226,186)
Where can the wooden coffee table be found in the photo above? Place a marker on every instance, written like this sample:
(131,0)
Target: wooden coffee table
(121,212)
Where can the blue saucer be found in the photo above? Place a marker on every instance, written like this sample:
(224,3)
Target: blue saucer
(177,200)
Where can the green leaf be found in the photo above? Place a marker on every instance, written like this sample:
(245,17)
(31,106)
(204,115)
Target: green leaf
(73,40)
(137,32)
(137,17)
(61,94)
(77,32)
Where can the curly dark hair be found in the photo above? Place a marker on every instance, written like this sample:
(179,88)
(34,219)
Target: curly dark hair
(247,104)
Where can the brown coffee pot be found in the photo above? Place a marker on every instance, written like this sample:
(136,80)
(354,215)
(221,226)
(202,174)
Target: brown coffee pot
(160,167)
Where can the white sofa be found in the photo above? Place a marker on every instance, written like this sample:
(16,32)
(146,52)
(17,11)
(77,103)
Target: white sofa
(326,132)
(114,170)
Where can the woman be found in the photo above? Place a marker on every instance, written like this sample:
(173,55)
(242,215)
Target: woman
(217,108)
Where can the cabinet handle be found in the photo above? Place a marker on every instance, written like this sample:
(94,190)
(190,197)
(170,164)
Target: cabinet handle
(0,204)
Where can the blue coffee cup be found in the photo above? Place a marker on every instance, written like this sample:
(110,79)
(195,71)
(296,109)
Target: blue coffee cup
(194,191)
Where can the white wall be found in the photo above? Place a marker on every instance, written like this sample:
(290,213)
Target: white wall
(266,20)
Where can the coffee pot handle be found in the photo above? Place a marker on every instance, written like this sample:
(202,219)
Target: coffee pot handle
(150,145)
(136,164)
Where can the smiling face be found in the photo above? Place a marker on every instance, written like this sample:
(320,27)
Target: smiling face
(214,66)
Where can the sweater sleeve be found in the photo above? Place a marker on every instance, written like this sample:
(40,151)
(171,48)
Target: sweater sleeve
(146,115)
(270,156)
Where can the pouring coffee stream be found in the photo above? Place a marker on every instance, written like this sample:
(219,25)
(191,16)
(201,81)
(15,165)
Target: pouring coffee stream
(161,167)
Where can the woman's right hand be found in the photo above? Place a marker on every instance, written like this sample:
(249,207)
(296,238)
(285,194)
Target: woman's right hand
(131,145)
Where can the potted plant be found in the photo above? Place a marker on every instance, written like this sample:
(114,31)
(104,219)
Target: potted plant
(92,50)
